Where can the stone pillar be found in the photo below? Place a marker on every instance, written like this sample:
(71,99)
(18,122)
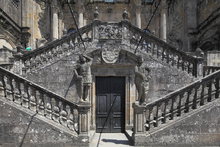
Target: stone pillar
(83,121)
(81,20)
(139,119)
(163,25)
(55,22)
(138,17)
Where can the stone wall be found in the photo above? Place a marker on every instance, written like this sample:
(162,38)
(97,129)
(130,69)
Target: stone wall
(164,78)
(199,128)
(19,127)
(59,78)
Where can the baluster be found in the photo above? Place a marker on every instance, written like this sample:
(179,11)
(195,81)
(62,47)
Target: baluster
(164,114)
(173,99)
(9,88)
(183,65)
(56,111)
(163,54)
(148,118)
(33,99)
(156,115)
(194,105)
(168,56)
(187,101)
(178,61)
(25,95)
(172,59)
(202,94)
(48,106)
(179,107)
(2,87)
(41,103)
(17,92)
(70,118)
(216,87)
(63,114)
(158,52)
(210,91)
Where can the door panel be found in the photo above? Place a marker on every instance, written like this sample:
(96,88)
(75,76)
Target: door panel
(110,104)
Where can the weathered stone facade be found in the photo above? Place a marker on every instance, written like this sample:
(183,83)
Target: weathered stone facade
(55,91)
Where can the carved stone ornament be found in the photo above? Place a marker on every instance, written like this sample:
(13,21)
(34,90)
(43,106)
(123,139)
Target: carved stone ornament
(109,32)
(110,55)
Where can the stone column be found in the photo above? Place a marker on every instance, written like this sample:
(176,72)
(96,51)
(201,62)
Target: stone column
(138,17)
(80,11)
(81,20)
(163,25)
(55,21)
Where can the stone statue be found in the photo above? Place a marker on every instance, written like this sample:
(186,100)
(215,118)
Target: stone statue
(142,77)
(83,73)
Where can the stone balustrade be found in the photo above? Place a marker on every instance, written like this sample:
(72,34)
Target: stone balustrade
(159,49)
(124,31)
(175,104)
(210,69)
(31,96)
(54,50)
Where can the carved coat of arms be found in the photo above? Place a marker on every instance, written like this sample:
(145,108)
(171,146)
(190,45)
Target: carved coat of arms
(110,55)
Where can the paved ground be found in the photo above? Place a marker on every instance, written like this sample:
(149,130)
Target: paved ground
(110,140)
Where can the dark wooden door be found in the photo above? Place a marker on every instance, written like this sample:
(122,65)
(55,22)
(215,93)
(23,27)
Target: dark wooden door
(110,104)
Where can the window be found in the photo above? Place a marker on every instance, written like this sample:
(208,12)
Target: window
(109,1)
(150,2)
(15,2)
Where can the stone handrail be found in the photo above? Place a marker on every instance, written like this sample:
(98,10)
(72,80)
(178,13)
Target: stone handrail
(176,103)
(54,50)
(210,69)
(163,51)
(26,94)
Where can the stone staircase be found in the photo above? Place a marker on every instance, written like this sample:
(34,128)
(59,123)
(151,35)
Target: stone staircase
(36,101)
(23,93)
(94,32)
(172,108)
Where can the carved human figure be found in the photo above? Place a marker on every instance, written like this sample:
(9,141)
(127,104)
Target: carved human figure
(142,77)
(83,73)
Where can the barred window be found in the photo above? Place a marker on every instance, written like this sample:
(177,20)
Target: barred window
(16,2)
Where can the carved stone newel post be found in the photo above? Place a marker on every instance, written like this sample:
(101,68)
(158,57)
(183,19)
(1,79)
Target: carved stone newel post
(139,120)
(83,120)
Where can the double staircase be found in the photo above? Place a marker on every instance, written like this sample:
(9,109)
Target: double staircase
(73,117)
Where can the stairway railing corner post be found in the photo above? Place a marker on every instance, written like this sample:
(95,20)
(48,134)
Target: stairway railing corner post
(139,123)
(198,67)
(83,120)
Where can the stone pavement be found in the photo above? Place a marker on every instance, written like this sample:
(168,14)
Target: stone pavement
(110,140)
